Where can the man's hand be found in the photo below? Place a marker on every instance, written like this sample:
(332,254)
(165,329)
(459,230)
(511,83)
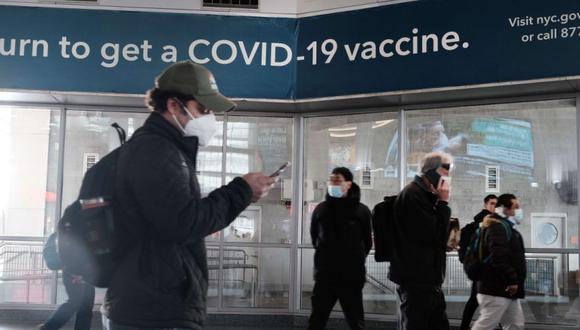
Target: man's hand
(260,184)
(512,289)
(443,190)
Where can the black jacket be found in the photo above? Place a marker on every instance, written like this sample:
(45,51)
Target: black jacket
(468,231)
(162,278)
(341,234)
(507,265)
(420,237)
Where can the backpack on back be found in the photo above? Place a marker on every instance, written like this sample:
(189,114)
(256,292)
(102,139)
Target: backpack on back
(466,233)
(474,260)
(382,221)
(50,253)
(86,231)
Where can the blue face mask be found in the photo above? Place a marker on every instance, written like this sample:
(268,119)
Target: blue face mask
(335,191)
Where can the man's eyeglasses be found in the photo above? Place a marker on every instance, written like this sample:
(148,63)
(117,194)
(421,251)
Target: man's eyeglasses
(201,109)
(447,166)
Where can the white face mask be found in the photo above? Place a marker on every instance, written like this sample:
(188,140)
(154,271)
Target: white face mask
(519,216)
(203,127)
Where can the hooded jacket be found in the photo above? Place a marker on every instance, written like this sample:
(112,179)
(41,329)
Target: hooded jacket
(507,265)
(420,237)
(341,234)
(162,277)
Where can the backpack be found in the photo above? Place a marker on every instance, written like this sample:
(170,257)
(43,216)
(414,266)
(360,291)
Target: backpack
(474,262)
(466,233)
(86,232)
(382,221)
(50,253)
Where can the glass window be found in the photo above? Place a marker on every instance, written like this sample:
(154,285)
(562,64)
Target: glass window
(28,169)
(531,150)
(524,141)
(256,277)
(551,289)
(261,144)
(89,137)
(379,294)
(29,144)
(362,143)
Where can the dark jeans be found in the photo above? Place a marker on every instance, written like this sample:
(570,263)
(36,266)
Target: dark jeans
(80,302)
(422,308)
(325,295)
(470,307)
(110,325)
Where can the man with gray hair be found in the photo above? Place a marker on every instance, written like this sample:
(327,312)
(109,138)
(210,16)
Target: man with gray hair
(421,218)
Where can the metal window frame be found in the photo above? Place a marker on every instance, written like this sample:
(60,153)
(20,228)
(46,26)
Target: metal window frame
(296,247)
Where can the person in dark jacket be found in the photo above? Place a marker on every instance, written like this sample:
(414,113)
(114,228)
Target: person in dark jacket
(419,242)
(341,235)
(501,285)
(162,279)
(80,301)
(489,203)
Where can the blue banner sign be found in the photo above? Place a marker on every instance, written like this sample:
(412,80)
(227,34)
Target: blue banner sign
(429,44)
(415,45)
(122,52)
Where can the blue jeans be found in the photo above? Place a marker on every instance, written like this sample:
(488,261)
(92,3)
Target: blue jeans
(110,325)
(80,302)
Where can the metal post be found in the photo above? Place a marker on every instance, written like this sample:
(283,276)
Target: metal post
(402,149)
(59,189)
(297,212)
(577,181)
(220,273)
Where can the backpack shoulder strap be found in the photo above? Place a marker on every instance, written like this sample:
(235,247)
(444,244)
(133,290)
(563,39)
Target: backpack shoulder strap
(508,230)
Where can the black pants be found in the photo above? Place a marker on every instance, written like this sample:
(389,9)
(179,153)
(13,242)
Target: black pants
(470,307)
(80,301)
(325,295)
(422,308)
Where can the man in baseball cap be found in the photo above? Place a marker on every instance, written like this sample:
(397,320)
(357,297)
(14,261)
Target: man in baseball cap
(161,281)
(194,80)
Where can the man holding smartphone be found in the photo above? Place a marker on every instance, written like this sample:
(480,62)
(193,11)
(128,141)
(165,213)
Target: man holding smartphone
(420,227)
(162,278)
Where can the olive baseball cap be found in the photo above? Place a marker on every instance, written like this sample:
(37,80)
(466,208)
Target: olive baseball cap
(188,78)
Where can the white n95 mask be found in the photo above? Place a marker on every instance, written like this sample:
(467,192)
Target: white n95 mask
(203,127)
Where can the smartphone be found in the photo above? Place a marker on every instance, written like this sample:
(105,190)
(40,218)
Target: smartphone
(280,169)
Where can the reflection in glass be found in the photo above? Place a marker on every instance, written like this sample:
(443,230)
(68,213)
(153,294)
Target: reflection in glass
(256,277)
(29,144)
(359,142)
(261,144)
(246,226)
(524,142)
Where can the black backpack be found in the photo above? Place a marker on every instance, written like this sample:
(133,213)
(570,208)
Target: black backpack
(50,253)
(466,233)
(86,231)
(382,220)
(475,261)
